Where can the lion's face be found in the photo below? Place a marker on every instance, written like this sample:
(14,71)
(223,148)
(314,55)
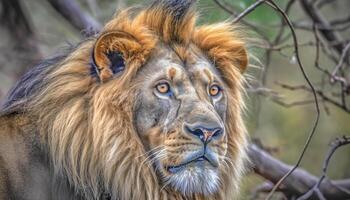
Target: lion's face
(172,98)
(180,117)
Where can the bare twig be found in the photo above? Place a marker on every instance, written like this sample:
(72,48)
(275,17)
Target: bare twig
(343,56)
(316,188)
(320,93)
(229,9)
(250,9)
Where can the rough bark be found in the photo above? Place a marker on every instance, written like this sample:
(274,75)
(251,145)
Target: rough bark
(299,182)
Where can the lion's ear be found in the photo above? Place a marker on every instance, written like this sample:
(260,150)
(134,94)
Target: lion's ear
(242,58)
(111,52)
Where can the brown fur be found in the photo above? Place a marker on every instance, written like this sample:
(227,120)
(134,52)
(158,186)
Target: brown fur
(86,127)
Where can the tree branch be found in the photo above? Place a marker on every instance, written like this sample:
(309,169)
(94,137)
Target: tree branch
(317,17)
(23,38)
(70,10)
(299,182)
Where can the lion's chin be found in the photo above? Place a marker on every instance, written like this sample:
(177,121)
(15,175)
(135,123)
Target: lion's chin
(195,180)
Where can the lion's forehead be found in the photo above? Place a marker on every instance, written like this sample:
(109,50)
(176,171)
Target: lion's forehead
(169,64)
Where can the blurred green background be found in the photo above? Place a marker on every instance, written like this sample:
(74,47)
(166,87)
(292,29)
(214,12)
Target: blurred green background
(278,127)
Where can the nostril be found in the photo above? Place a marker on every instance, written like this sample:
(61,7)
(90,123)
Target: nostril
(217,132)
(198,132)
(195,131)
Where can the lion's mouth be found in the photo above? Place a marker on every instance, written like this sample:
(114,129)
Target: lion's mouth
(199,162)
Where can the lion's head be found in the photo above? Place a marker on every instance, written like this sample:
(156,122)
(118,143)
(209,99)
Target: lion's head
(149,109)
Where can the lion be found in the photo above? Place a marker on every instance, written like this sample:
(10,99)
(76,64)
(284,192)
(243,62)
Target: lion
(148,109)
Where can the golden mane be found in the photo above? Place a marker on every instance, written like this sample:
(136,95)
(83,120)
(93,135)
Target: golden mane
(86,125)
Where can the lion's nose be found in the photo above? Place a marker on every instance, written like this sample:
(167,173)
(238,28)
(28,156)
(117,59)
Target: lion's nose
(205,134)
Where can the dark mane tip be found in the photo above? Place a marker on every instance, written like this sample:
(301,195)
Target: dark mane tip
(177,8)
(173,20)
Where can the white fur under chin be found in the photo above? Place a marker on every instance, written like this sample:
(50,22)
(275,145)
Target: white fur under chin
(195,180)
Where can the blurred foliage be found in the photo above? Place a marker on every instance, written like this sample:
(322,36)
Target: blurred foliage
(276,126)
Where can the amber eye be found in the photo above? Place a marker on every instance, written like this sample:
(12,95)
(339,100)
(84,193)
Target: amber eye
(163,88)
(214,90)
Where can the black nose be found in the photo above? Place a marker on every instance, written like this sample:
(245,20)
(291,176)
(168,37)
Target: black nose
(205,134)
